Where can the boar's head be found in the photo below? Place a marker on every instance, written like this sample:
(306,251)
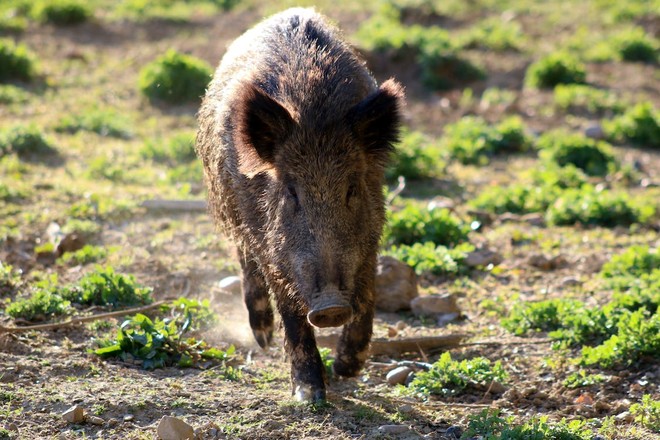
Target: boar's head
(321,204)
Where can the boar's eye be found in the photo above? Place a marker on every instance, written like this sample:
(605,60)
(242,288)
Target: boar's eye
(292,193)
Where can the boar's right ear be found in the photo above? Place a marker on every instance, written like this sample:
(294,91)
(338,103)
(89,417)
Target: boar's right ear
(260,125)
(375,120)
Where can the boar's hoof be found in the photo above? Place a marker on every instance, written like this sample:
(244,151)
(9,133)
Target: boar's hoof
(263,337)
(309,394)
(329,309)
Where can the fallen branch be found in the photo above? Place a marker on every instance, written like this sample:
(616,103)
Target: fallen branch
(396,347)
(75,321)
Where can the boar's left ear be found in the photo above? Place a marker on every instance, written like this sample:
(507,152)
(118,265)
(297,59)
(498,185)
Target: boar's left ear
(375,120)
(260,126)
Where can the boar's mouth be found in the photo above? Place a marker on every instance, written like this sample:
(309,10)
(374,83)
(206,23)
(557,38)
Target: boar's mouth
(329,308)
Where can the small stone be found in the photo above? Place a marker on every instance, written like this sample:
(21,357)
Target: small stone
(533,218)
(434,305)
(392,332)
(594,131)
(94,420)
(398,375)
(113,422)
(483,257)
(12,427)
(454,432)
(231,285)
(570,282)
(405,408)
(396,285)
(543,262)
(393,429)
(75,414)
(128,417)
(400,325)
(171,428)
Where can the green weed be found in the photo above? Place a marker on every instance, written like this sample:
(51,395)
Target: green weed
(104,122)
(10,279)
(634,262)
(327,360)
(88,254)
(448,377)
(25,141)
(415,157)
(581,378)
(647,413)
(431,258)
(639,125)
(413,224)
(16,61)
(494,97)
(10,94)
(204,317)
(11,194)
(580,97)
(175,78)
(105,287)
(493,34)
(556,68)
(635,45)
(175,150)
(41,304)
(563,148)
(516,198)
(473,141)
(62,12)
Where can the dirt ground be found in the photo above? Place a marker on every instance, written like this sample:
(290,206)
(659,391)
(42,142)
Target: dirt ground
(44,373)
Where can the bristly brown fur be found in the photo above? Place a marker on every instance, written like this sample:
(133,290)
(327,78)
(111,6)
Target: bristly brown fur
(294,135)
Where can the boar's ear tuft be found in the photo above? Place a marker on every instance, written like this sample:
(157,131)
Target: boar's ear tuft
(375,120)
(260,125)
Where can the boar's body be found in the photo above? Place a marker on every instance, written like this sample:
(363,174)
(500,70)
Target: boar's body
(294,136)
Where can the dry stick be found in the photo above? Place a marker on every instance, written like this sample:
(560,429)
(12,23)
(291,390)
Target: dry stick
(75,321)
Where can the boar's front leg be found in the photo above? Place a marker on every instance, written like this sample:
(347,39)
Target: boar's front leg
(257,300)
(353,346)
(307,370)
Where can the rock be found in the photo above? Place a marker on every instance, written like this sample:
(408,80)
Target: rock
(440,202)
(396,285)
(534,219)
(113,422)
(392,332)
(434,305)
(483,257)
(75,414)
(98,421)
(483,217)
(398,375)
(570,282)
(542,262)
(594,131)
(70,243)
(231,285)
(454,432)
(400,325)
(128,417)
(393,429)
(12,427)
(171,428)
(406,409)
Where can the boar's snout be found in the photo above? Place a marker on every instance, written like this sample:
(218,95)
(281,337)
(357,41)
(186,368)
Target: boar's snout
(330,308)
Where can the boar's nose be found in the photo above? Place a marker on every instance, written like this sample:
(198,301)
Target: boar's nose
(330,308)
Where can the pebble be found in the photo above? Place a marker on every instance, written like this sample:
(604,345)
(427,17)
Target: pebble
(570,282)
(405,408)
(98,421)
(396,285)
(128,417)
(454,432)
(231,285)
(75,414)
(400,325)
(393,429)
(434,305)
(171,428)
(398,375)
(594,131)
(483,257)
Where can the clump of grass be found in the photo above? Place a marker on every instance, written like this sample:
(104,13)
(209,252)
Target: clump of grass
(516,199)
(472,140)
(589,206)
(580,97)
(175,78)
(160,342)
(415,158)
(88,254)
(16,62)
(10,279)
(414,224)
(431,258)
(175,150)
(104,122)
(496,97)
(581,378)
(494,34)
(10,94)
(639,125)
(647,413)
(634,262)
(592,157)
(11,193)
(105,287)
(635,45)
(25,141)
(41,304)
(448,377)
(488,424)
(556,68)
(62,12)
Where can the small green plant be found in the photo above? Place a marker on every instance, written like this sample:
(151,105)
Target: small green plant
(472,140)
(158,343)
(175,78)
(634,262)
(581,378)
(639,125)
(448,377)
(635,45)
(556,68)
(88,254)
(494,34)
(516,198)
(176,150)
(61,12)
(10,94)
(415,158)
(496,97)
(24,140)
(584,98)
(43,303)
(10,279)
(414,224)
(327,359)
(16,62)
(105,287)
(592,157)
(198,311)
(100,121)
(647,413)
(431,258)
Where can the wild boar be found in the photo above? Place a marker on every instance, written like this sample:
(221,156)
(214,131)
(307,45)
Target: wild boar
(294,135)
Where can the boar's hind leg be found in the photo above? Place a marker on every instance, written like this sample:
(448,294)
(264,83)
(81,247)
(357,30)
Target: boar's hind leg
(307,370)
(353,346)
(257,300)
